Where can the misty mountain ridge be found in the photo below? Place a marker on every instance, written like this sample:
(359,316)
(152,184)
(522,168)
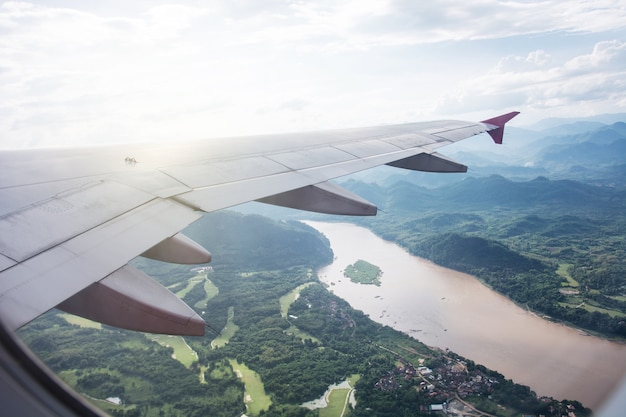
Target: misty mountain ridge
(556,122)
(587,152)
(494,193)
(535,168)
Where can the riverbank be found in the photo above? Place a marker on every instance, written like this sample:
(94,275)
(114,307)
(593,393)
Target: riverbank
(448,309)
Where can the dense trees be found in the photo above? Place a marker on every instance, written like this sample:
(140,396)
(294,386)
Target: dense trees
(111,362)
(516,244)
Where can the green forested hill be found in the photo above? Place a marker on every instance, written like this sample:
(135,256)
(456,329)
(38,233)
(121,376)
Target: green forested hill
(555,246)
(495,192)
(288,353)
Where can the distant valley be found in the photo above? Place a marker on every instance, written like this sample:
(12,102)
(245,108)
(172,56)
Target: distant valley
(544,225)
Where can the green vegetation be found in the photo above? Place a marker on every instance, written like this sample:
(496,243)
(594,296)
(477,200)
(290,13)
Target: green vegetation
(211,291)
(79,321)
(255,398)
(182,352)
(227,332)
(526,240)
(285,302)
(191,283)
(344,343)
(363,272)
(338,399)
(563,272)
(337,403)
(287,299)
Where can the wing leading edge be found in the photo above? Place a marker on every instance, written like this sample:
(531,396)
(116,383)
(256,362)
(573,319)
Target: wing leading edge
(71,220)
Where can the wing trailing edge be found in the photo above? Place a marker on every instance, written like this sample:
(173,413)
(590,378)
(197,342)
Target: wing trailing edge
(132,300)
(326,197)
(429,163)
(178,249)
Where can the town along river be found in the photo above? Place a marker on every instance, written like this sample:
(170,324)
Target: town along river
(449,309)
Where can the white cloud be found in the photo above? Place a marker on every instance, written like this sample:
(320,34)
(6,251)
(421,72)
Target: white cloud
(345,25)
(577,86)
(127,71)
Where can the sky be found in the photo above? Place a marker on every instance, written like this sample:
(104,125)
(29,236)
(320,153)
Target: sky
(93,72)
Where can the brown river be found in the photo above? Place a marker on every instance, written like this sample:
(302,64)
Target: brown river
(448,309)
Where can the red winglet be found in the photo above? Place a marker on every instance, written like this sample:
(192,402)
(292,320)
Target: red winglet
(500,121)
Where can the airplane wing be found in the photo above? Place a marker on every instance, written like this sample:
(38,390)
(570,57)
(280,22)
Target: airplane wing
(72,219)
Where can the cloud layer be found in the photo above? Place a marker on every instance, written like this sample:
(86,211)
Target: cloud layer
(74,74)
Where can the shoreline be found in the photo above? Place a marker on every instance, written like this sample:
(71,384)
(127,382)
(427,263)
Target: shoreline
(443,308)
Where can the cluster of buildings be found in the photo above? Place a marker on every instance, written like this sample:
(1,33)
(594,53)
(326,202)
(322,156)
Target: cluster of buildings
(456,378)
(447,380)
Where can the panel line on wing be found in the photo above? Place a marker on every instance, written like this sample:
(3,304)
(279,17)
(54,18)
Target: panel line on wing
(34,286)
(41,226)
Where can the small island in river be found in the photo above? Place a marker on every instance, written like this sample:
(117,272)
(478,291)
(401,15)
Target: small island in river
(363,272)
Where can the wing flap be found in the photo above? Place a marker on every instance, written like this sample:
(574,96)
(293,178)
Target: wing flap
(178,249)
(34,286)
(325,198)
(56,241)
(429,163)
(130,299)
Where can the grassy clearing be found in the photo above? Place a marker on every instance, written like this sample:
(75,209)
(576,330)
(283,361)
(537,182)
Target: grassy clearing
(79,321)
(287,299)
(190,284)
(353,379)
(336,402)
(285,302)
(136,341)
(137,389)
(227,332)
(255,398)
(612,313)
(295,332)
(203,369)
(577,303)
(183,353)
(337,399)
(563,273)
(211,291)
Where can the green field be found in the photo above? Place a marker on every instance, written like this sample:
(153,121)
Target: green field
(286,301)
(613,313)
(135,387)
(290,297)
(79,321)
(190,284)
(227,332)
(255,398)
(211,291)
(564,273)
(182,352)
(363,272)
(337,399)
(336,403)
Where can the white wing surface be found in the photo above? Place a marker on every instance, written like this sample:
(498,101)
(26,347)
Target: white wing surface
(72,219)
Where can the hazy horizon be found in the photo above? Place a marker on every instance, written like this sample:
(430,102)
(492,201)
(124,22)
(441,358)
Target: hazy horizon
(91,73)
